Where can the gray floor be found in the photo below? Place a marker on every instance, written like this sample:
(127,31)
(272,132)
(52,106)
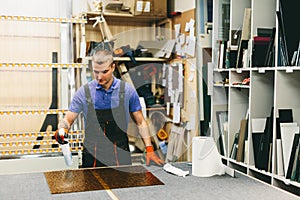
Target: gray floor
(34,186)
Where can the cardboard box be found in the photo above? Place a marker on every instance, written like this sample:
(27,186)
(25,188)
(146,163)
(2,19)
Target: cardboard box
(147,7)
(130,4)
(160,8)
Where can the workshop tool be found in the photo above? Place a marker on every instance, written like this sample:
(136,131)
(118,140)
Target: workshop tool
(62,138)
(125,50)
(104,29)
(67,154)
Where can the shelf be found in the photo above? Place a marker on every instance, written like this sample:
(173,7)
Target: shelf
(35,134)
(260,175)
(240,86)
(42,19)
(141,59)
(138,59)
(29,143)
(155,108)
(241,70)
(237,163)
(288,69)
(270,88)
(34,151)
(126,17)
(37,111)
(44,65)
(263,69)
(221,70)
(220,85)
(253,168)
(287,181)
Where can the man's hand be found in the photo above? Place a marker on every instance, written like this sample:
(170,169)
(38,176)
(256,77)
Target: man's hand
(60,135)
(150,155)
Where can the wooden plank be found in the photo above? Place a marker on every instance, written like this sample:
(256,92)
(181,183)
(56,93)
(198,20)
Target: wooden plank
(190,108)
(183,19)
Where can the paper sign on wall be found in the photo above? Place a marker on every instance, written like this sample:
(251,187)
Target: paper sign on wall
(176,116)
(147,7)
(142,6)
(139,6)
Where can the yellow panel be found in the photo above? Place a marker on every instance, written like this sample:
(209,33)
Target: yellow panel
(28,41)
(24,89)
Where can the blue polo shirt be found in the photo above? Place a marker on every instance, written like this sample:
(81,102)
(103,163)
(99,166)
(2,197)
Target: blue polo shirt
(103,99)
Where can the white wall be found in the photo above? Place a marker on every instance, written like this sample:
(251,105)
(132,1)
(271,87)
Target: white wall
(57,8)
(41,8)
(184,5)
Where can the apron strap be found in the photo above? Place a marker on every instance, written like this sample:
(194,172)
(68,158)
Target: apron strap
(121,93)
(87,93)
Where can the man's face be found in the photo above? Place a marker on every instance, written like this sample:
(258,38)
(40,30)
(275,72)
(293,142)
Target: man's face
(103,73)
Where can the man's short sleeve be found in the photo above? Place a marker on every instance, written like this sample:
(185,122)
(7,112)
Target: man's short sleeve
(134,101)
(77,101)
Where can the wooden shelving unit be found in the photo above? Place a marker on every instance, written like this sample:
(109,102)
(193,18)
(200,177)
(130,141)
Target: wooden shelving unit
(125,17)
(126,29)
(270,88)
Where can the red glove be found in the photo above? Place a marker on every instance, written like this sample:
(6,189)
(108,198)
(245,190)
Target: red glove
(150,155)
(60,135)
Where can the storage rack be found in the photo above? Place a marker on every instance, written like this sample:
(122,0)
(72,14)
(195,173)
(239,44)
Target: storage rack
(270,88)
(16,145)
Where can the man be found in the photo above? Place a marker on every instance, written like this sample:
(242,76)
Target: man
(106,103)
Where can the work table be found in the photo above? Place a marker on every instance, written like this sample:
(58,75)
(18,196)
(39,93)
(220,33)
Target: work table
(35,186)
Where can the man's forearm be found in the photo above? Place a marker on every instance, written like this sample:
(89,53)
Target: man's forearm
(145,133)
(63,124)
(67,121)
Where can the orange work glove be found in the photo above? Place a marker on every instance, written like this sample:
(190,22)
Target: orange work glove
(150,155)
(60,135)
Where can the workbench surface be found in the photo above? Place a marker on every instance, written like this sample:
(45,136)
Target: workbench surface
(34,186)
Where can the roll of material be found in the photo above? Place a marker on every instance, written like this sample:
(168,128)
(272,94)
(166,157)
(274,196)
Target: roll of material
(206,160)
(67,154)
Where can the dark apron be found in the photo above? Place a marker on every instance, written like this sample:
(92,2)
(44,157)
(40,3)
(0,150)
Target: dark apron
(106,141)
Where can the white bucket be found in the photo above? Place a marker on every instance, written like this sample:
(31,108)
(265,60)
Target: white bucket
(206,160)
